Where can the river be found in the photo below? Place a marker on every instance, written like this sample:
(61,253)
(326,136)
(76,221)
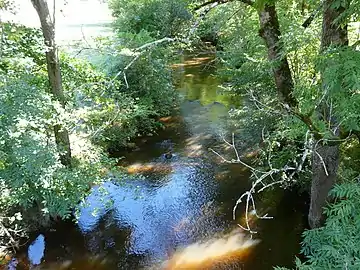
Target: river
(176,213)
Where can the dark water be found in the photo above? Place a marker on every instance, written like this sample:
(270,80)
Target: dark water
(170,204)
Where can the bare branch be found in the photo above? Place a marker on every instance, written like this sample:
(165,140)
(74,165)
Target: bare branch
(247,2)
(139,52)
(265,108)
(286,174)
(322,162)
(237,160)
(211,2)
(13,243)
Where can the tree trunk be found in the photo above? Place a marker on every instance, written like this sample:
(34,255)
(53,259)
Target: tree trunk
(270,32)
(326,156)
(325,162)
(54,74)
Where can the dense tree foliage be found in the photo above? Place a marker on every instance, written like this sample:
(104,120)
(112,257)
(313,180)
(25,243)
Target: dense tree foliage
(160,18)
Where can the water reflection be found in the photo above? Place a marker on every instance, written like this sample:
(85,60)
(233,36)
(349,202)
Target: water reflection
(162,212)
(36,250)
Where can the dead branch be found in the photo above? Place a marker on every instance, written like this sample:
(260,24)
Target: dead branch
(13,243)
(139,52)
(262,106)
(286,173)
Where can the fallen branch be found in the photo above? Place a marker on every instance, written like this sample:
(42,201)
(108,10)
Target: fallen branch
(139,52)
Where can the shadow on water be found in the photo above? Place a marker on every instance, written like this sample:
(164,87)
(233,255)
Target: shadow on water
(176,213)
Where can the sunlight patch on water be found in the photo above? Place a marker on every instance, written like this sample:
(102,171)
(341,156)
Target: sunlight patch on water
(192,62)
(204,255)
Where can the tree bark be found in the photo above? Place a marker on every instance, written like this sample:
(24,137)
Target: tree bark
(325,162)
(326,156)
(54,74)
(270,32)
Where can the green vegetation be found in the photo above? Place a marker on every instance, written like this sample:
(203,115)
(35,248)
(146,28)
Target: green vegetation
(160,18)
(56,130)
(294,64)
(300,109)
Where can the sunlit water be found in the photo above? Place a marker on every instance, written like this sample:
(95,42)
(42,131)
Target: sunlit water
(177,213)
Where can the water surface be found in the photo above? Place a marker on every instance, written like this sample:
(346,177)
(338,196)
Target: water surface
(178,211)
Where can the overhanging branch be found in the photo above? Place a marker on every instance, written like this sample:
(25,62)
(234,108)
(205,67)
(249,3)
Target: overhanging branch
(207,3)
(200,6)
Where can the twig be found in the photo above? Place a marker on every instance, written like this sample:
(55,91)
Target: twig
(238,160)
(12,240)
(322,162)
(138,52)
(261,176)
(267,109)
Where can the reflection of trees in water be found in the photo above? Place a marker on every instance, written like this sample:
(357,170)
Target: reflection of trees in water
(113,242)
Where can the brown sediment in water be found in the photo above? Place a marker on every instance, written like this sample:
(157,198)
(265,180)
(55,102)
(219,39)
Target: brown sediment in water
(227,250)
(171,119)
(149,168)
(252,154)
(4,260)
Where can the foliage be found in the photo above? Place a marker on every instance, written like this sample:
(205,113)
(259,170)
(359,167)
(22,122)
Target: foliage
(342,76)
(141,92)
(30,170)
(159,18)
(120,96)
(100,107)
(326,79)
(33,182)
(336,245)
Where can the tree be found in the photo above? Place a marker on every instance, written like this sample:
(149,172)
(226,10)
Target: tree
(326,154)
(54,74)
(326,126)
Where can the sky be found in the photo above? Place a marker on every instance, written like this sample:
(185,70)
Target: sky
(74,12)
(72,19)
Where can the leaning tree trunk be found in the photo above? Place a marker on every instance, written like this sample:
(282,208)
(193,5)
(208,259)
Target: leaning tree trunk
(54,74)
(326,156)
(270,32)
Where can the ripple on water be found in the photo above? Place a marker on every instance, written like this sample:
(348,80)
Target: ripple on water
(159,218)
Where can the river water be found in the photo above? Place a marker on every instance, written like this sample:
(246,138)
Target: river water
(176,212)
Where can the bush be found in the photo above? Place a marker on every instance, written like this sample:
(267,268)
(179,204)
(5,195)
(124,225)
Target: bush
(158,17)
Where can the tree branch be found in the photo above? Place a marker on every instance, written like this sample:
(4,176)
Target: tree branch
(247,2)
(207,3)
(312,16)
(286,174)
